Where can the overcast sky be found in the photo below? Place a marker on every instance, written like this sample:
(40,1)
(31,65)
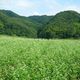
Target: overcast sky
(39,7)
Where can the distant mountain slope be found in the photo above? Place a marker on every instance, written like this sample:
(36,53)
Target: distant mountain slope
(9,13)
(63,25)
(13,24)
(41,19)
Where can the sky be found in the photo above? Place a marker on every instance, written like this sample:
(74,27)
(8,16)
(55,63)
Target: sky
(39,7)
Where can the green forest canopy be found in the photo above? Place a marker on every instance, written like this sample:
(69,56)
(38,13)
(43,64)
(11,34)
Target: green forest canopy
(65,24)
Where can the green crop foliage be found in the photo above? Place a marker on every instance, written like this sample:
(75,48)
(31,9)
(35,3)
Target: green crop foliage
(37,59)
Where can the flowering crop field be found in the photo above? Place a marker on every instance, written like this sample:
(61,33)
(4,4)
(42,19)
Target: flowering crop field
(39,59)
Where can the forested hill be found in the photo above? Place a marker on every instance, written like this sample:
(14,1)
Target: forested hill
(41,19)
(15,25)
(63,25)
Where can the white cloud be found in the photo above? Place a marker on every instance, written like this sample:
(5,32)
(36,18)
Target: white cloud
(36,13)
(24,4)
(53,6)
(38,7)
(16,3)
(5,2)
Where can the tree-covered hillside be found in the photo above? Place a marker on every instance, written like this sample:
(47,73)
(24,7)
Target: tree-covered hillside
(13,24)
(41,19)
(63,25)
